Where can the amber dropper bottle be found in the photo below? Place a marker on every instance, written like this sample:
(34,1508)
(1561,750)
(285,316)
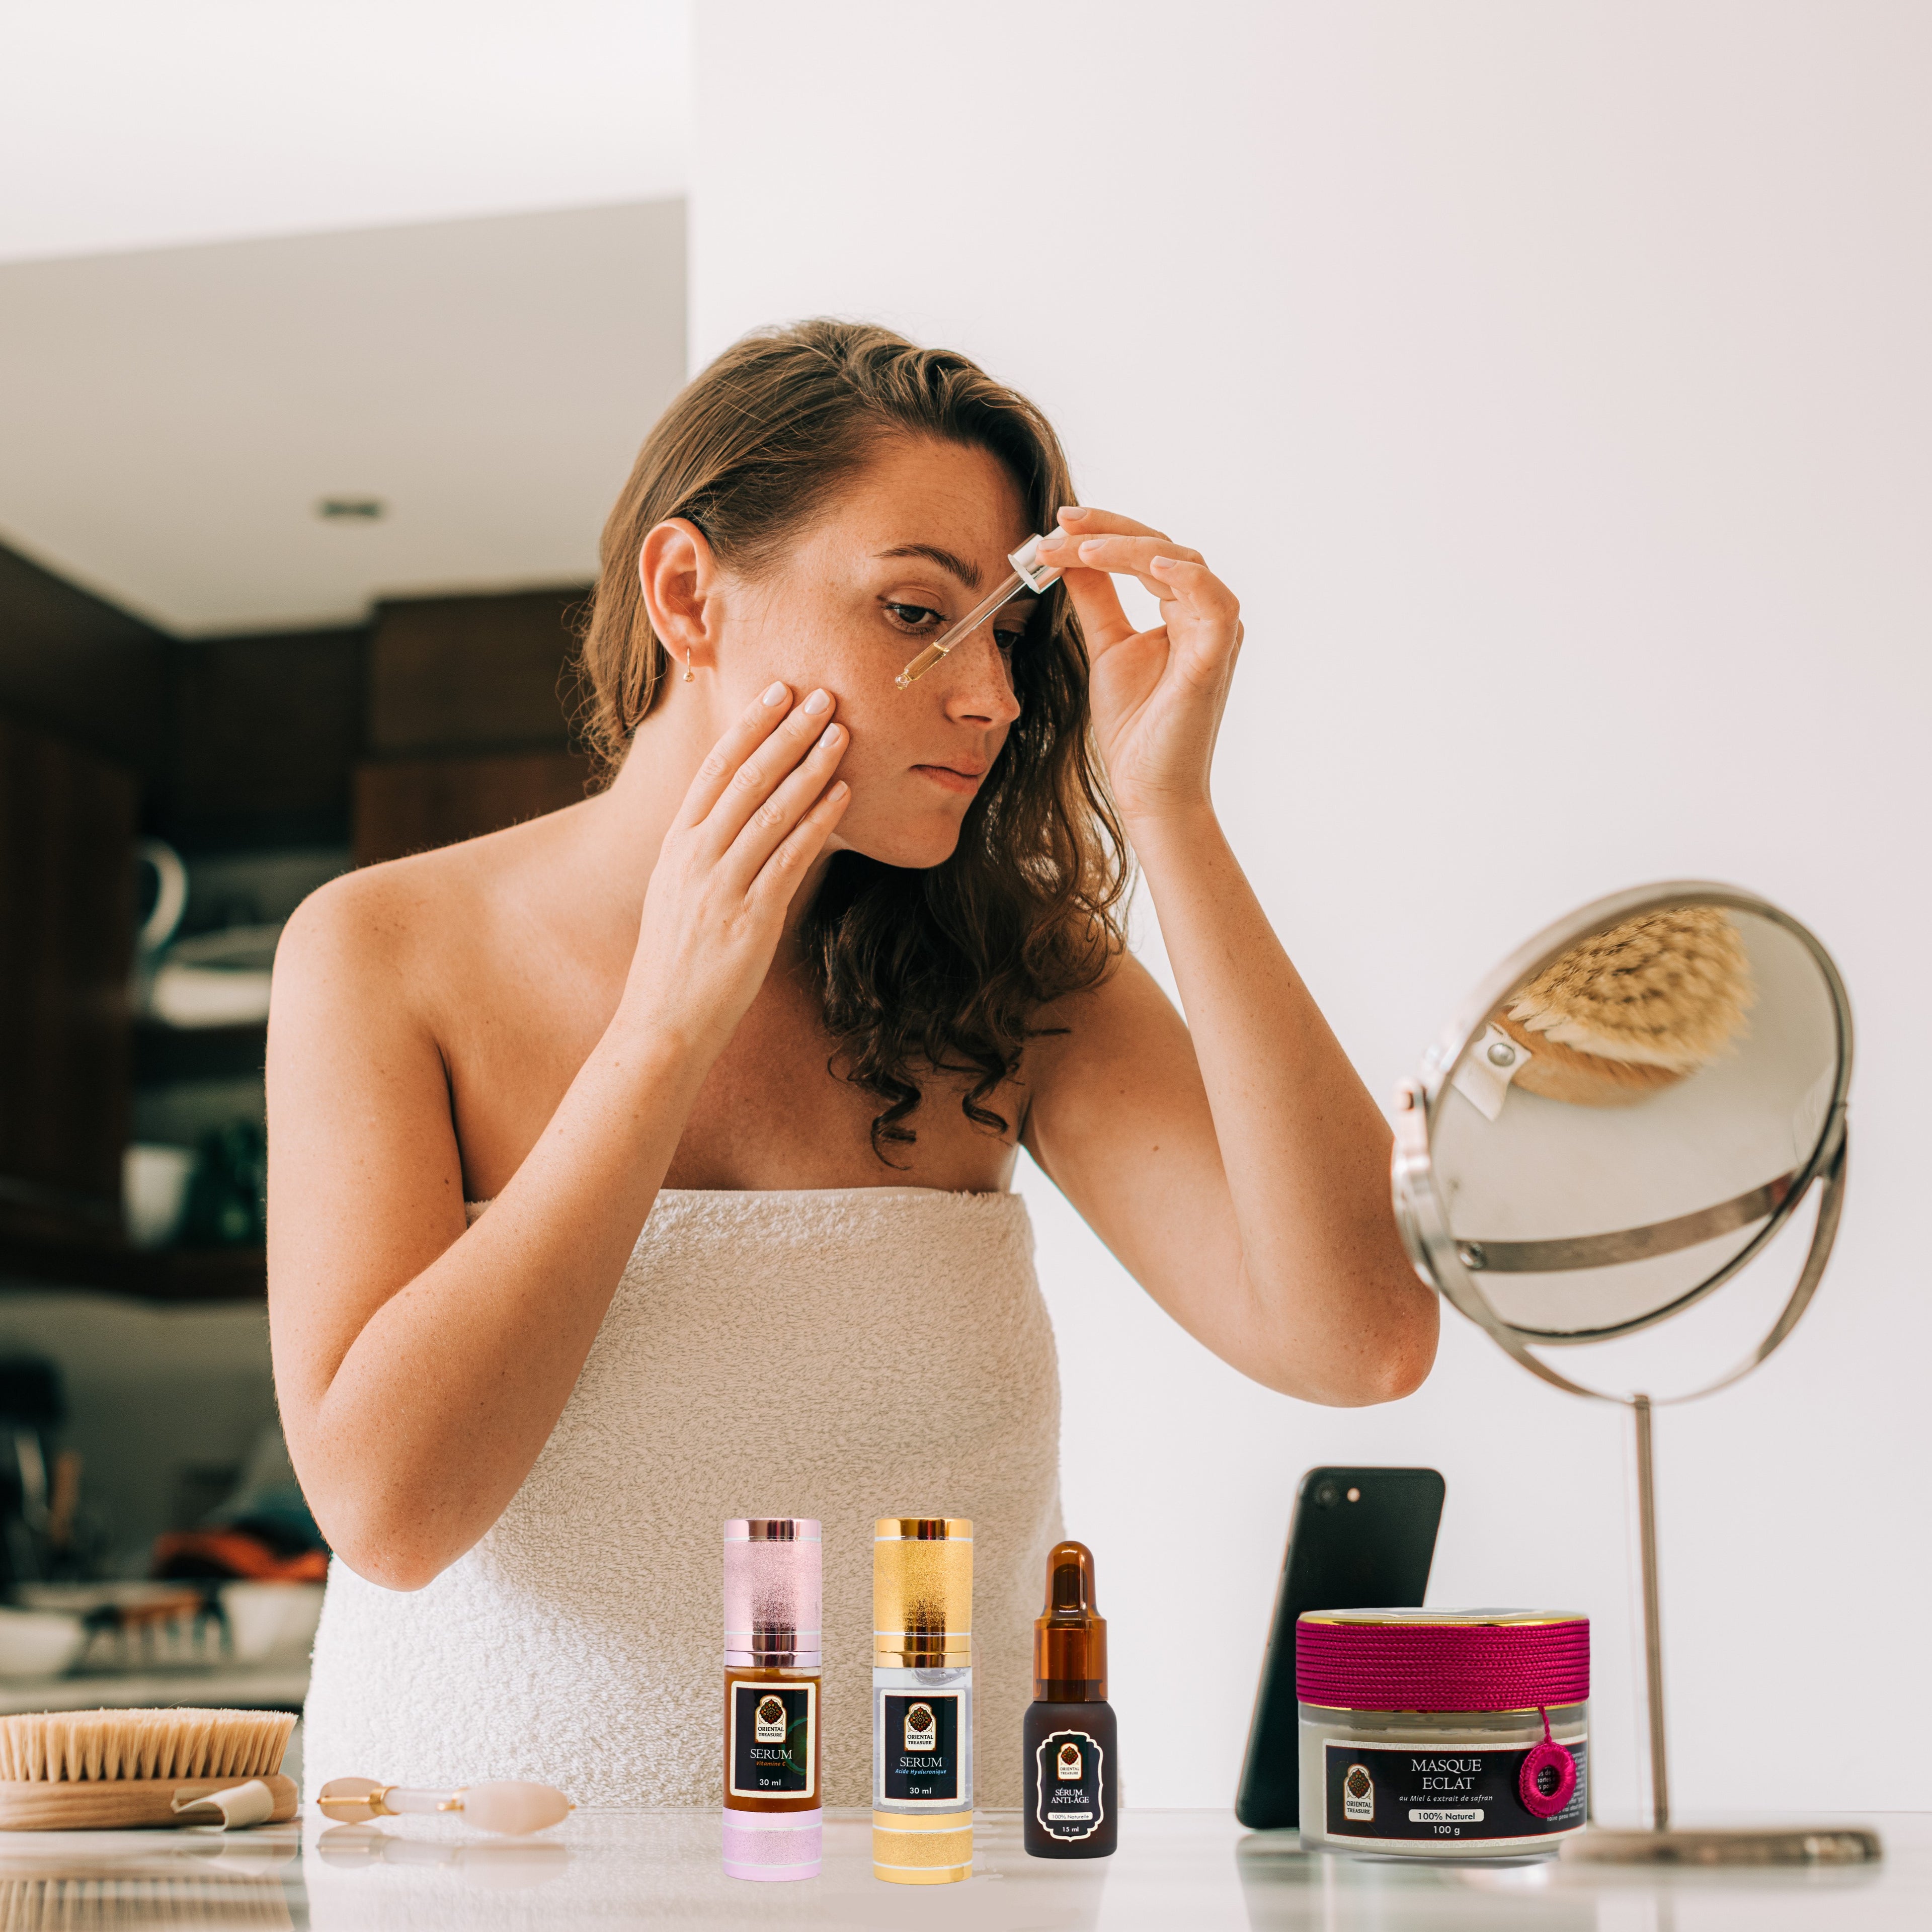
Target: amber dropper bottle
(1071,1743)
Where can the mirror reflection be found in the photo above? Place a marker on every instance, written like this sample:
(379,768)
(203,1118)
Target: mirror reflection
(1631,1115)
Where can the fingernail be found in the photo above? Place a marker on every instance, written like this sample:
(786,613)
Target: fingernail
(817,702)
(1053,540)
(1071,513)
(775,695)
(1092,543)
(1163,563)
(829,736)
(838,791)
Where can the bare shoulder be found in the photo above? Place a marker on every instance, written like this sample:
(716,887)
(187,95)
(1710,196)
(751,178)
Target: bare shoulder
(1103,1019)
(374,932)
(1090,1043)
(405,931)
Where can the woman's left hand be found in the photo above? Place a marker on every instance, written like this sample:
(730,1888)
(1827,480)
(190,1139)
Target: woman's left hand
(1157,695)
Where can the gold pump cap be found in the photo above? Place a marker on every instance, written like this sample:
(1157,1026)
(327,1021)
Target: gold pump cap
(922,1593)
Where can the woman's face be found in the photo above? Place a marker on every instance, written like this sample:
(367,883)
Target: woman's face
(906,549)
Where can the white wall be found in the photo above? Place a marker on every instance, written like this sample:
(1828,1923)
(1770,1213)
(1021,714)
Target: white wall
(1551,383)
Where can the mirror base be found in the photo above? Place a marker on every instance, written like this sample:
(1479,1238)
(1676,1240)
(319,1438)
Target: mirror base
(1816,1845)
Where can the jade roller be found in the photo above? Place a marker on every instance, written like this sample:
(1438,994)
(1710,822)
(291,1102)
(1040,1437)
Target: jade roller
(507,1806)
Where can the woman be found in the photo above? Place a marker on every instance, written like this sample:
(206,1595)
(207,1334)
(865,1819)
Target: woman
(738,1053)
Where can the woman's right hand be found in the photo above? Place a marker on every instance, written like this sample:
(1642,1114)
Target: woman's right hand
(758,813)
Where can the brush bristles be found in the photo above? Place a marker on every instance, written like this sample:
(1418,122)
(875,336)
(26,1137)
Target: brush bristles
(105,1901)
(1669,989)
(102,1746)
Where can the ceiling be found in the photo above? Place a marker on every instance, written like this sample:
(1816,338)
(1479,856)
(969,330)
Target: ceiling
(252,257)
(171,420)
(125,124)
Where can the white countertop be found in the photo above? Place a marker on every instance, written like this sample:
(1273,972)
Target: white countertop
(1178,1871)
(277,1685)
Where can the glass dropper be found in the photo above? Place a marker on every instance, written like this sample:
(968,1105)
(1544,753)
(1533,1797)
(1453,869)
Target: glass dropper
(1028,574)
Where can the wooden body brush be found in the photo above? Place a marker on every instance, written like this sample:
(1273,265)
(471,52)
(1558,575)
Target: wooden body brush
(75,1771)
(1632,1008)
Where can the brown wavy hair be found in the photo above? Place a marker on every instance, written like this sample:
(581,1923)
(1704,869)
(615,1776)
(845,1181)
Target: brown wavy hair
(922,971)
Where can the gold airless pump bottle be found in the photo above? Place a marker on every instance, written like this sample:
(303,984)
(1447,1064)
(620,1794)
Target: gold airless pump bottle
(922,1699)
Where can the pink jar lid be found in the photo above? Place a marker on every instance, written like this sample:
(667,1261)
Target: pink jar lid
(1404,1660)
(773,1584)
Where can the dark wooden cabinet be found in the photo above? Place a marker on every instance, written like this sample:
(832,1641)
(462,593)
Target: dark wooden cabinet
(470,700)
(410,805)
(462,674)
(68,825)
(441,719)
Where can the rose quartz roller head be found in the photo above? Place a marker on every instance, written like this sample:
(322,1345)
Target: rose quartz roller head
(508,1806)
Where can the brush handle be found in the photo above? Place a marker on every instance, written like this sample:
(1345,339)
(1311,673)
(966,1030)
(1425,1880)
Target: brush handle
(107,1804)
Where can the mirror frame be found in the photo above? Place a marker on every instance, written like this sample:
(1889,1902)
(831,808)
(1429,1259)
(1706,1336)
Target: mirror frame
(1422,1214)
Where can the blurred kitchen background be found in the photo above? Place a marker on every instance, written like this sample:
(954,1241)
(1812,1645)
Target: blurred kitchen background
(310,411)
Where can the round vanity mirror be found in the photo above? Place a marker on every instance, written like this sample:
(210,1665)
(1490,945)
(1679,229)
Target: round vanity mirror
(1623,1117)
(1620,1121)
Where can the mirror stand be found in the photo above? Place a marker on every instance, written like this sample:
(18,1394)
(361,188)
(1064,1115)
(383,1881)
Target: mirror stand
(1662,1844)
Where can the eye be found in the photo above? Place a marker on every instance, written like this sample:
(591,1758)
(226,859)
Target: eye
(915,619)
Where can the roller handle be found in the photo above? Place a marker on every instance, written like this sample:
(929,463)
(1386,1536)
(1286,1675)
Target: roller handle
(511,1806)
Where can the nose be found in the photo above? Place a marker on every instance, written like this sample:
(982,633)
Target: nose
(980,689)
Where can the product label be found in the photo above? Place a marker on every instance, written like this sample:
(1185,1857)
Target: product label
(770,1752)
(922,1746)
(1377,1791)
(1071,1803)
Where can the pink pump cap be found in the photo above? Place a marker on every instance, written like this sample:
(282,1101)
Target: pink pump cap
(774,1578)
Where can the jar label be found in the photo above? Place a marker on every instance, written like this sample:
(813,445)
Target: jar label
(1071,1804)
(1379,1791)
(771,1754)
(920,1749)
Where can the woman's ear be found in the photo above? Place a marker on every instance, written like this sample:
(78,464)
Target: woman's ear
(679,577)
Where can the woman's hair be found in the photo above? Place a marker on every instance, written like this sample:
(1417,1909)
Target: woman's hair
(940,969)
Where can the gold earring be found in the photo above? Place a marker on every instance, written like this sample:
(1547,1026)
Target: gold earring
(690,676)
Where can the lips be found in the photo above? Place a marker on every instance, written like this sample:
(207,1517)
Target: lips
(961,778)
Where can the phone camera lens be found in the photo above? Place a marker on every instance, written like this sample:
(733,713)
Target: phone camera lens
(1328,1495)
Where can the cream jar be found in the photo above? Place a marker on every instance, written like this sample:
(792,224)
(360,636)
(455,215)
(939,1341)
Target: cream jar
(1461,1734)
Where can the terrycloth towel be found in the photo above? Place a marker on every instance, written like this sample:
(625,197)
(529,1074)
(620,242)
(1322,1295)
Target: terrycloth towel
(845,1353)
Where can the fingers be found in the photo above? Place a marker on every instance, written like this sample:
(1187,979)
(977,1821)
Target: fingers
(779,876)
(1082,519)
(1091,546)
(763,770)
(1188,581)
(757,723)
(767,826)
(1122,555)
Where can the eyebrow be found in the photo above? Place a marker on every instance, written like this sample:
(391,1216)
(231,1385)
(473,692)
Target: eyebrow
(968,572)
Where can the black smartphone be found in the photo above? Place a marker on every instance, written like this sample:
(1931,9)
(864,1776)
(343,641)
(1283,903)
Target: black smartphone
(1360,1539)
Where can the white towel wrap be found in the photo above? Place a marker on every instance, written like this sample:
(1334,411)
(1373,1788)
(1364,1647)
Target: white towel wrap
(845,1353)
